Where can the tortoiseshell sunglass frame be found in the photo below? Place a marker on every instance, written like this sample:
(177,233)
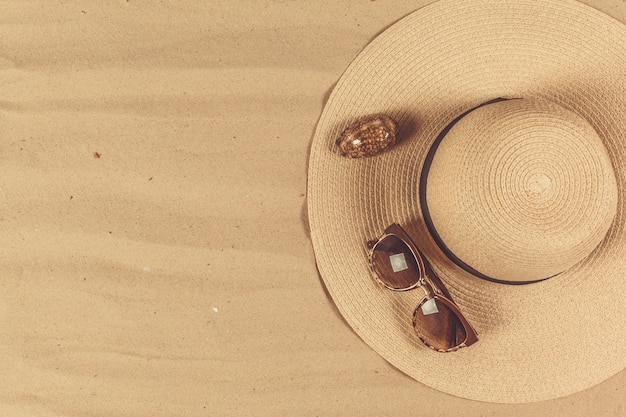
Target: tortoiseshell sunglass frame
(429,282)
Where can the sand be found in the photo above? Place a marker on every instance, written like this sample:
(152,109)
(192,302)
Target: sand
(154,243)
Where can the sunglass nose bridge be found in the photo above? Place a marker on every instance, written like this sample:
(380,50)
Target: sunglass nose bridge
(422,287)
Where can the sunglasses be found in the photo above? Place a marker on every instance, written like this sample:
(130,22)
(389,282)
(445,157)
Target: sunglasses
(399,266)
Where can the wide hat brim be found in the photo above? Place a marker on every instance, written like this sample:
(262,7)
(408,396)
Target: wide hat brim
(537,341)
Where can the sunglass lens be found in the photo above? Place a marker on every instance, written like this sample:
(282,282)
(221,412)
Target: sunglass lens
(394,263)
(438,325)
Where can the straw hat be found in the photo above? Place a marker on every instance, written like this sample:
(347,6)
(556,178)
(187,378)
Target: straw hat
(508,173)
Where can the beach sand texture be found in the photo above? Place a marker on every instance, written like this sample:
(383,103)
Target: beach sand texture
(154,249)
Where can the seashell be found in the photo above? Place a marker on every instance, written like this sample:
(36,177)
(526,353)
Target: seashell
(367,136)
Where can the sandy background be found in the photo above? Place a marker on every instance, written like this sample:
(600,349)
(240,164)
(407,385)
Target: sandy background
(154,245)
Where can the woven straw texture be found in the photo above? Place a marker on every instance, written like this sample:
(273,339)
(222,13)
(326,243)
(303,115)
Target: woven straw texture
(537,341)
(520,190)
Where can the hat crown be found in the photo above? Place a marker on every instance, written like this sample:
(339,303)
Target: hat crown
(520,190)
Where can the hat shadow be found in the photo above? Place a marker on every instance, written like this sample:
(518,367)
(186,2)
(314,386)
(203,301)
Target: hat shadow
(304,210)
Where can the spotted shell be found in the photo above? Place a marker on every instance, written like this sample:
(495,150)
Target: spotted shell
(367,136)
